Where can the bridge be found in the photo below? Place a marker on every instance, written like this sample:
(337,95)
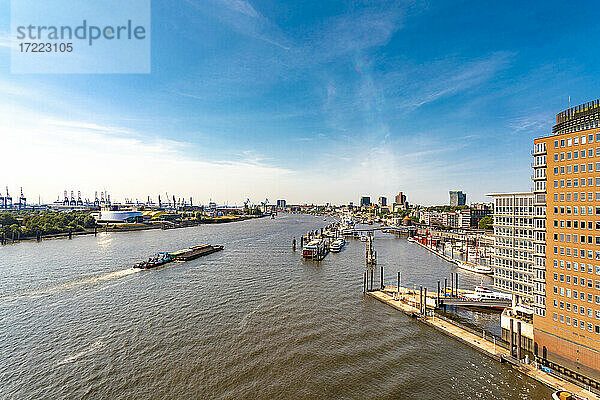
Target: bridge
(462,302)
(399,229)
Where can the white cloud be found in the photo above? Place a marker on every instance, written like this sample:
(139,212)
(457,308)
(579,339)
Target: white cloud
(47,156)
(6,40)
(241,6)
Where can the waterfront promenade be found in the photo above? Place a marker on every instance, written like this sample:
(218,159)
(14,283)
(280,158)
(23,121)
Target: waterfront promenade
(487,347)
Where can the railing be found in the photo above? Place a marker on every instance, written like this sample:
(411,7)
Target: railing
(482,334)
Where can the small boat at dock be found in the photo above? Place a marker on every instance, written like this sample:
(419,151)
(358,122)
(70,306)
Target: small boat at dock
(337,245)
(315,249)
(482,293)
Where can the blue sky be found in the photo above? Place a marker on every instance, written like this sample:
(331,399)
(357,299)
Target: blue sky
(311,101)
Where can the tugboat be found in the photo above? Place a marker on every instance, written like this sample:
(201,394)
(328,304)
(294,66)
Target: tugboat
(159,259)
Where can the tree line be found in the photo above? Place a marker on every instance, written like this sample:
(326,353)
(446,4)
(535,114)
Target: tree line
(32,223)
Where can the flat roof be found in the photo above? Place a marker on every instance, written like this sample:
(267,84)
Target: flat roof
(509,194)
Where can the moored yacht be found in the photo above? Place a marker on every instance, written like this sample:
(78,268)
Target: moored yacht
(337,245)
(469,266)
(482,293)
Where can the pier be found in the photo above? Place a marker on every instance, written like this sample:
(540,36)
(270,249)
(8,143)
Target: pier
(437,253)
(487,345)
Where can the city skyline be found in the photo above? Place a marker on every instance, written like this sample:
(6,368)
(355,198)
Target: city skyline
(254,100)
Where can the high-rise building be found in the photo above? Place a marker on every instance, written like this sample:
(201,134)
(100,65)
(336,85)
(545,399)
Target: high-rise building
(365,201)
(567,243)
(457,198)
(382,201)
(400,198)
(281,204)
(512,259)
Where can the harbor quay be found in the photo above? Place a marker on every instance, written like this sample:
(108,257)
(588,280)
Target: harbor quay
(487,345)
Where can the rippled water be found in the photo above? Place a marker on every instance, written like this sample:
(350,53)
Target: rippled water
(253,321)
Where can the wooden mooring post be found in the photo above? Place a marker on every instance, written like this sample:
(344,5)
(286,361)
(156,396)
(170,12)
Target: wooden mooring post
(519,340)
(510,341)
(365,281)
(456,283)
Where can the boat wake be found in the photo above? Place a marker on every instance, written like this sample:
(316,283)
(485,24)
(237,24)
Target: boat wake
(74,284)
(90,281)
(96,345)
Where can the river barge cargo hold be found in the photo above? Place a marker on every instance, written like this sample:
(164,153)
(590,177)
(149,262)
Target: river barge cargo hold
(182,255)
(195,252)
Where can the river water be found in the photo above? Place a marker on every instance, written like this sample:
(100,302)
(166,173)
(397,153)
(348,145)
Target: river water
(253,321)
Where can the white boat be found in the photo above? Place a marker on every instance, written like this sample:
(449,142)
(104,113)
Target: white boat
(411,239)
(482,293)
(337,245)
(314,249)
(469,266)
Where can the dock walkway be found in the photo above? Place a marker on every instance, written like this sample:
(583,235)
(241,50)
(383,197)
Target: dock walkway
(437,253)
(483,345)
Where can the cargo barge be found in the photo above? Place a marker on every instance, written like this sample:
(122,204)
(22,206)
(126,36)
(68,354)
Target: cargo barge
(194,252)
(182,255)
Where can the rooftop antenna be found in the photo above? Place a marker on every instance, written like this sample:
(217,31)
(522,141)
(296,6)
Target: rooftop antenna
(569,101)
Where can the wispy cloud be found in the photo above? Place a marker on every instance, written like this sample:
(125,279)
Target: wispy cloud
(90,127)
(440,79)
(241,6)
(243,18)
(533,122)
(354,32)
(6,40)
